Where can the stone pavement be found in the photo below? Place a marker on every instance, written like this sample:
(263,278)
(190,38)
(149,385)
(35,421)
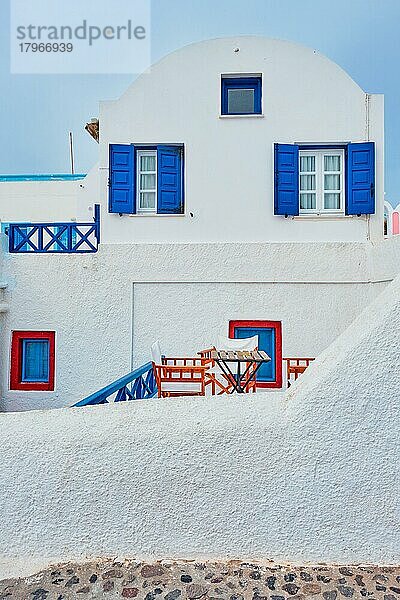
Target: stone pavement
(190,580)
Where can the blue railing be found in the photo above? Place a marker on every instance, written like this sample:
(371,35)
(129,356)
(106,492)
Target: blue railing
(67,238)
(140,384)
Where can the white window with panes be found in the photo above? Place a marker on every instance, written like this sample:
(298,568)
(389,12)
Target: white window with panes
(321,185)
(146,193)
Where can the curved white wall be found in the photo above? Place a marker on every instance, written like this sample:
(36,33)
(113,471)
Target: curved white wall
(229,161)
(312,476)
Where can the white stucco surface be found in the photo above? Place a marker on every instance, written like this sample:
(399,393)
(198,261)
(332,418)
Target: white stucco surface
(218,477)
(229,178)
(40,201)
(198,313)
(108,308)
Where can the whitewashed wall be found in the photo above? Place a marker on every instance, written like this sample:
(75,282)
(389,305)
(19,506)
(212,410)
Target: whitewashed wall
(310,476)
(40,201)
(107,308)
(186,317)
(229,160)
(88,194)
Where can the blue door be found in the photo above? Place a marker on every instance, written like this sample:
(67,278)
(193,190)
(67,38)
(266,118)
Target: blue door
(269,340)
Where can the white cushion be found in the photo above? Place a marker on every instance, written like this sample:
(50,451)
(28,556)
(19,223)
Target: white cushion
(250,343)
(156,353)
(180,387)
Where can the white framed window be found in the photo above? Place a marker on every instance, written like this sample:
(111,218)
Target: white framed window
(146,193)
(321,181)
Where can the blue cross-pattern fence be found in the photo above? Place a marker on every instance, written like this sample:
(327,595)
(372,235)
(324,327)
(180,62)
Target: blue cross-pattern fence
(140,384)
(67,238)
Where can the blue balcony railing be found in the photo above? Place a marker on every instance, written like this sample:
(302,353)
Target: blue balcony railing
(66,238)
(140,384)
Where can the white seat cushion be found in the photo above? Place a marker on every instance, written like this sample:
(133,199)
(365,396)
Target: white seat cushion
(180,387)
(250,343)
(156,353)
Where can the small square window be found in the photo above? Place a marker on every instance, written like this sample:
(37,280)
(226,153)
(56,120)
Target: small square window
(241,95)
(32,360)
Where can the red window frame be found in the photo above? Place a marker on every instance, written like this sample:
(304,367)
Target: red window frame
(277,325)
(16,382)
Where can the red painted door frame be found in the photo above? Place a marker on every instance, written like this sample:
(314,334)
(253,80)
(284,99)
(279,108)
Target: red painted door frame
(277,326)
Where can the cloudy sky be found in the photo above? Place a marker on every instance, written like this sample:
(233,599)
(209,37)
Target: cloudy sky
(362,36)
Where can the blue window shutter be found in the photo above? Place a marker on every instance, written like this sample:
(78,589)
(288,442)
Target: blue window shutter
(360,189)
(169,179)
(121,198)
(286,191)
(35,360)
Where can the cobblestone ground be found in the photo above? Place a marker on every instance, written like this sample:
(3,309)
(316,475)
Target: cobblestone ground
(234,580)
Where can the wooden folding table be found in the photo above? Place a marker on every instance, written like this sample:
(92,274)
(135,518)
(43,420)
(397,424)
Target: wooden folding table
(247,364)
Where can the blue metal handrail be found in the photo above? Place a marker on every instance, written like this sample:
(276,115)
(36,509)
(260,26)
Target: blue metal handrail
(67,238)
(140,384)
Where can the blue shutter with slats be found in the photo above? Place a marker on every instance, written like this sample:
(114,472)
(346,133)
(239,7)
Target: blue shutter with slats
(35,360)
(286,189)
(360,192)
(169,180)
(121,198)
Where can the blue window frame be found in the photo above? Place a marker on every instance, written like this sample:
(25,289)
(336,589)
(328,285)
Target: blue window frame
(35,360)
(146,179)
(241,95)
(323,178)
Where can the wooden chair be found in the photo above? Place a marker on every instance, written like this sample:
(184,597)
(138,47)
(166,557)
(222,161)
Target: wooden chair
(180,380)
(206,354)
(185,361)
(295,367)
(179,376)
(211,374)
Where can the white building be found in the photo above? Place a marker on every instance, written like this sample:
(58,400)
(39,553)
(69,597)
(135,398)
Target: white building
(241,186)
(228,160)
(392,220)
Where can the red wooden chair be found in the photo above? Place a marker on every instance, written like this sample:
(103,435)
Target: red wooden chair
(295,367)
(212,372)
(185,361)
(180,380)
(178,376)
